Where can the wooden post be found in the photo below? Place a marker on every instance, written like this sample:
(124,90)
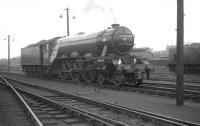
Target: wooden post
(180,54)
(67,12)
(8,52)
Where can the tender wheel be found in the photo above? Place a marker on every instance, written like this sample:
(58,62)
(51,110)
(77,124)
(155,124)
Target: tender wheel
(27,74)
(56,75)
(139,82)
(118,78)
(90,74)
(100,78)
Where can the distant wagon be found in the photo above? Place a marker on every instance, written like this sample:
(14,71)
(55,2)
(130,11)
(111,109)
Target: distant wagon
(191,58)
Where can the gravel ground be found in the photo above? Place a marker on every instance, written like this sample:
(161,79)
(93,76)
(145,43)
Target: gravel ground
(160,105)
(11,111)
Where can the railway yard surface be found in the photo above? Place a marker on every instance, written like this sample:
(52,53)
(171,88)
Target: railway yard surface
(160,105)
(171,82)
(12,111)
(101,78)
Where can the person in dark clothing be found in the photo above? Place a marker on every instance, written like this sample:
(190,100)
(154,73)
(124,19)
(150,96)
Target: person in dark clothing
(147,70)
(110,68)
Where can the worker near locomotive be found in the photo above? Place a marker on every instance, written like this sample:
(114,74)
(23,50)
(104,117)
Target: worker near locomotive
(102,57)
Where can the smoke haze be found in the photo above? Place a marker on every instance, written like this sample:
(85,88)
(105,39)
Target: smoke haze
(104,8)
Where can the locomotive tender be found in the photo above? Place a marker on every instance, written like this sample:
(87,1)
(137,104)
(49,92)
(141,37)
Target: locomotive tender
(102,56)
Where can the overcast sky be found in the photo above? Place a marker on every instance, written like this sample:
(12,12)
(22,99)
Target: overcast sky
(153,22)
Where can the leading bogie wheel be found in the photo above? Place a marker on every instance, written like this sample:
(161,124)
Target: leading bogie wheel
(118,78)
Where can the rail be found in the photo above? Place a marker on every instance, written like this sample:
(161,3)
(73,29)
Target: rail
(31,113)
(124,109)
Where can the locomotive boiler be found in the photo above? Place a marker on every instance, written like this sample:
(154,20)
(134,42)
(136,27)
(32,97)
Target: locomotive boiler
(116,40)
(85,57)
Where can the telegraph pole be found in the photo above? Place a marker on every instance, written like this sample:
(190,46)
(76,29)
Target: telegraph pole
(180,54)
(67,12)
(8,52)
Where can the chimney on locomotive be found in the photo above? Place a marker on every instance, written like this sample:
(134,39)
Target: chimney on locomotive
(115,25)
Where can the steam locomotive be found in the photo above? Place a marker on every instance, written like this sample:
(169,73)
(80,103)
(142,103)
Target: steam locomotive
(101,56)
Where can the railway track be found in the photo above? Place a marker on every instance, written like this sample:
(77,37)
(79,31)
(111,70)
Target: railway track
(155,79)
(153,76)
(172,84)
(14,110)
(171,92)
(109,113)
(160,91)
(191,92)
(54,113)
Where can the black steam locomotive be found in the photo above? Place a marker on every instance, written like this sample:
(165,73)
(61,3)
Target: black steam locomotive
(102,56)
